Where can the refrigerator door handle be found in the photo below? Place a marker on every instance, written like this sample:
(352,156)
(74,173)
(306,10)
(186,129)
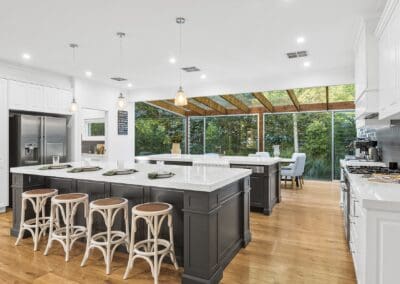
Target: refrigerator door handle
(44,141)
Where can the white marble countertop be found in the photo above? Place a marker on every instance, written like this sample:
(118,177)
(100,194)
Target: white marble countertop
(374,195)
(186,178)
(212,160)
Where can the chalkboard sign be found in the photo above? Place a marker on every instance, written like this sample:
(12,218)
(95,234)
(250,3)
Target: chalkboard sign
(122,122)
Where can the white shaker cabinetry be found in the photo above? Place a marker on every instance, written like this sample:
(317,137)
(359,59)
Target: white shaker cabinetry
(31,97)
(388,33)
(366,74)
(374,240)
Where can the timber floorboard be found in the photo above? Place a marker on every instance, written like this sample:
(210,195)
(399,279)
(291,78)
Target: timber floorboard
(301,242)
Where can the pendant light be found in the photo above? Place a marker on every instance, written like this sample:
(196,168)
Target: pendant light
(121,98)
(74,105)
(180,98)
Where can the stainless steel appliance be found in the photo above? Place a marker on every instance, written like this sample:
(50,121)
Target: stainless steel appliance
(35,139)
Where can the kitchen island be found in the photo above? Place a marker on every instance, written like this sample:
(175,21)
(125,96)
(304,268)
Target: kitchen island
(211,207)
(265,177)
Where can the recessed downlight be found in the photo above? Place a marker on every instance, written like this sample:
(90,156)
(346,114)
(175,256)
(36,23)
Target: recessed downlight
(203,76)
(301,39)
(129,85)
(26,56)
(172,60)
(307,64)
(88,73)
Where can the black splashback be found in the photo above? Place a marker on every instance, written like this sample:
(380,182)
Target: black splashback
(389,141)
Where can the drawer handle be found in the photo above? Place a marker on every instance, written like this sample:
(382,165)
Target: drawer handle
(354,209)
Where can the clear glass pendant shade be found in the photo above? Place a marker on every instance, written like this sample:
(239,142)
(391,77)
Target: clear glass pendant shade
(121,101)
(74,106)
(180,98)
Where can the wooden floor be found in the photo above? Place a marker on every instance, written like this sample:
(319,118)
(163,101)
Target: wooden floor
(302,242)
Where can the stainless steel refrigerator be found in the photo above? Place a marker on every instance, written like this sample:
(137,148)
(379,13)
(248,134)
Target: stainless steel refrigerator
(35,139)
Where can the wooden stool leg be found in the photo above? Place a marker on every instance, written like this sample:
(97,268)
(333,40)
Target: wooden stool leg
(156,259)
(108,246)
(50,240)
(132,243)
(67,231)
(88,238)
(171,240)
(126,216)
(21,225)
(37,216)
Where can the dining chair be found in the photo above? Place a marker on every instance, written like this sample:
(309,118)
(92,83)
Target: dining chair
(295,171)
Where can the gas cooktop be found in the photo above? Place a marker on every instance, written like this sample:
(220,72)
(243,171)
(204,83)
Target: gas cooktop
(364,170)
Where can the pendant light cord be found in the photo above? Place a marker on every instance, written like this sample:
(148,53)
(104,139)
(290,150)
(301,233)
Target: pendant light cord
(120,55)
(73,46)
(180,55)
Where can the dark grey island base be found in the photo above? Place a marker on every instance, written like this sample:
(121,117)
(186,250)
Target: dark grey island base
(265,184)
(209,227)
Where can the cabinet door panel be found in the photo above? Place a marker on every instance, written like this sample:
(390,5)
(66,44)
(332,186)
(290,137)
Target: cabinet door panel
(95,190)
(257,192)
(134,195)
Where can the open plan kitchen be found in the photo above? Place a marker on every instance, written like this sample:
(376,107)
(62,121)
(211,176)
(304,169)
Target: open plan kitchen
(200,142)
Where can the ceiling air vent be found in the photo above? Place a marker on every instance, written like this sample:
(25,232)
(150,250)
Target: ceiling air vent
(118,79)
(191,69)
(297,54)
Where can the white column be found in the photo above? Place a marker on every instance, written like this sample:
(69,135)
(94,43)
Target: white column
(4,186)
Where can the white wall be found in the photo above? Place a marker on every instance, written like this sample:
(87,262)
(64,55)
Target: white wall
(103,97)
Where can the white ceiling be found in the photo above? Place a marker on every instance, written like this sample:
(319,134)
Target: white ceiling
(232,41)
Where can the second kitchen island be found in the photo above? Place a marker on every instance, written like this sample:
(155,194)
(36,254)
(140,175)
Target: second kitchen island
(265,177)
(211,207)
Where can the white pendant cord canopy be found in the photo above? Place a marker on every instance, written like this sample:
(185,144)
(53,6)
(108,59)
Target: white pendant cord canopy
(121,98)
(74,104)
(180,98)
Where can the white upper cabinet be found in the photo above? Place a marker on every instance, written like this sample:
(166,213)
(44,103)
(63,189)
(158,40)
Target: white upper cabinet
(366,74)
(31,97)
(388,33)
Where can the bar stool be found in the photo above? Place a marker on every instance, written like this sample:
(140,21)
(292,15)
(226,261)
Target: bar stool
(36,226)
(107,242)
(153,214)
(67,205)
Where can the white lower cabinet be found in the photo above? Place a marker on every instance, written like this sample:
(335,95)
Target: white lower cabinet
(374,242)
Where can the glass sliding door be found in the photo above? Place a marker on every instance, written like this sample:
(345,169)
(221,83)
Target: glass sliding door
(196,135)
(232,135)
(155,128)
(344,133)
(278,130)
(315,139)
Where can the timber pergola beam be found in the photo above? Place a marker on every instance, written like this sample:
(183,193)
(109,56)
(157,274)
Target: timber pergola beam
(294,99)
(286,108)
(327,97)
(212,104)
(264,101)
(236,102)
(170,107)
(192,108)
